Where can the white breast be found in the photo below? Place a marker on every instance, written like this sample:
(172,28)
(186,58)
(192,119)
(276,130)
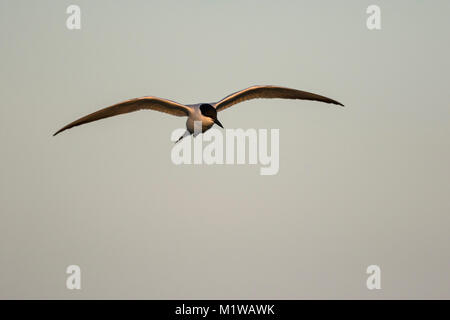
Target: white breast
(197,116)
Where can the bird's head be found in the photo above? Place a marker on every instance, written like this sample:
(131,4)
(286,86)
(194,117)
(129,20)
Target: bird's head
(208,110)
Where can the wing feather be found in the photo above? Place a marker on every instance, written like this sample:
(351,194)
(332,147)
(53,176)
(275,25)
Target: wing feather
(150,103)
(257,92)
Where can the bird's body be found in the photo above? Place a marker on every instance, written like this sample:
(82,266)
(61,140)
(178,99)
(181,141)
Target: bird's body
(196,115)
(206,113)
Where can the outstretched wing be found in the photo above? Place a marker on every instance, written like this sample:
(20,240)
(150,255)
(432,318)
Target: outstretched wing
(257,92)
(151,103)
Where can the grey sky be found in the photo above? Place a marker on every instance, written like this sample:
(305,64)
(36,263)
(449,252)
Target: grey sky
(367,184)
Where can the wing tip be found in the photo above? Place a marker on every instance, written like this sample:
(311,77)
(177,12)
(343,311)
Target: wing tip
(337,102)
(59,131)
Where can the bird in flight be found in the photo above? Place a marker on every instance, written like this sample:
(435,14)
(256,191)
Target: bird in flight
(206,113)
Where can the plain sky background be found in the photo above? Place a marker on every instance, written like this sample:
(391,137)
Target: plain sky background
(361,185)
